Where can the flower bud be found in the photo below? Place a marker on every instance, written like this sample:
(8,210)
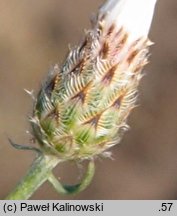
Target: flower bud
(82,109)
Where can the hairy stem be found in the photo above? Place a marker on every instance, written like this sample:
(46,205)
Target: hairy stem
(41,171)
(36,176)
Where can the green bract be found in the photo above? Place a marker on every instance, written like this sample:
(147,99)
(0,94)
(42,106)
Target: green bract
(81,110)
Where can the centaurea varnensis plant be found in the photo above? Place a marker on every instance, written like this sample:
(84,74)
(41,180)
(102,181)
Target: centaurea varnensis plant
(81,110)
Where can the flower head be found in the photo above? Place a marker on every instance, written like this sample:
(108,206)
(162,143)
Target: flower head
(82,109)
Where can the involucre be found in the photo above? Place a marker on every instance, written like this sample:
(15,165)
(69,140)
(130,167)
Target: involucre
(81,111)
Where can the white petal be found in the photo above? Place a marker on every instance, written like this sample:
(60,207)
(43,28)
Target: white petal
(134,15)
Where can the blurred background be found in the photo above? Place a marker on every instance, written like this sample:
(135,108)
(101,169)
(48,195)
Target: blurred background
(34,35)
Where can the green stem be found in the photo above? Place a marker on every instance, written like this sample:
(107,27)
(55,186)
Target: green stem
(74,189)
(36,176)
(40,171)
